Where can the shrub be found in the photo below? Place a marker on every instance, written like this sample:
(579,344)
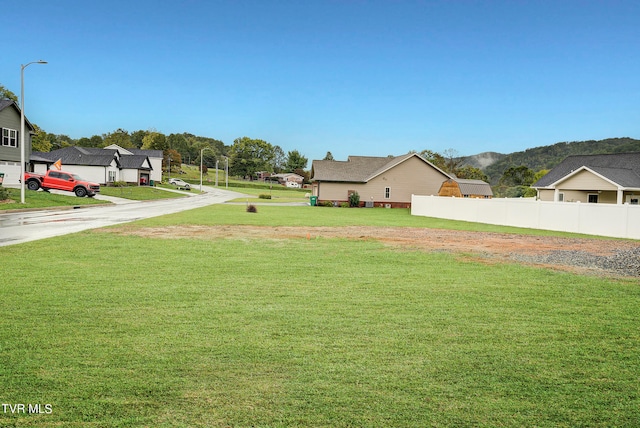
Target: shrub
(354,199)
(264,196)
(325,204)
(119,184)
(344,205)
(252,208)
(4,193)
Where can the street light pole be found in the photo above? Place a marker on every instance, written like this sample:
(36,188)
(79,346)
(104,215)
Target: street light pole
(22,148)
(202,151)
(226,172)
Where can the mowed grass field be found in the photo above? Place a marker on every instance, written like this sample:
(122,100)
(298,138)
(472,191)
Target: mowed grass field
(110,329)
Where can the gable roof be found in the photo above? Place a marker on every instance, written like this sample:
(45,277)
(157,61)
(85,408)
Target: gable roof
(622,169)
(92,156)
(10,103)
(474,187)
(134,162)
(77,156)
(149,153)
(360,169)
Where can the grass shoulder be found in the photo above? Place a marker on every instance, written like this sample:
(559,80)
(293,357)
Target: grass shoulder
(307,216)
(144,193)
(42,199)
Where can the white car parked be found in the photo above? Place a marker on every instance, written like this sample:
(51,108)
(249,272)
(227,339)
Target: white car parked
(180,184)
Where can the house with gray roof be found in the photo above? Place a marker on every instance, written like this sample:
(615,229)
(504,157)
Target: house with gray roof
(102,166)
(155,157)
(466,188)
(380,181)
(608,179)
(10,141)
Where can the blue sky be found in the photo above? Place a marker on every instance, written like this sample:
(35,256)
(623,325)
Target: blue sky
(353,77)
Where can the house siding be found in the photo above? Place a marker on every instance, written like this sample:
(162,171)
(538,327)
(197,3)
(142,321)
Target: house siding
(412,176)
(586,180)
(10,118)
(604,196)
(10,156)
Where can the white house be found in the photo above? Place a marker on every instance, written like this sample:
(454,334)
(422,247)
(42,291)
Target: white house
(101,165)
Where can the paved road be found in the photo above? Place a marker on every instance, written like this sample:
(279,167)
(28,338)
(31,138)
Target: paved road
(27,226)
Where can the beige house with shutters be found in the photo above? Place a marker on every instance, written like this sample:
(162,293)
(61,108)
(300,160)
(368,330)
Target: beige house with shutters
(380,181)
(603,179)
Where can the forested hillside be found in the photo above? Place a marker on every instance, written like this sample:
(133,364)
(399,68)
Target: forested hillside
(547,157)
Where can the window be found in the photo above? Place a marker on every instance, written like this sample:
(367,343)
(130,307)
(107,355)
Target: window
(593,198)
(112,176)
(387,192)
(9,137)
(560,197)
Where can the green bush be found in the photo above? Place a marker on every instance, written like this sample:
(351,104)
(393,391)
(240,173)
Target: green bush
(120,184)
(325,204)
(264,196)
(344,205)
(354,199)
(4,193)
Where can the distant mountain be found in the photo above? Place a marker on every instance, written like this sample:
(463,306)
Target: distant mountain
(482,160)
(546,157)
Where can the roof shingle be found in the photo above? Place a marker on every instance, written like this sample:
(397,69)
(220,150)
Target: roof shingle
(621,168)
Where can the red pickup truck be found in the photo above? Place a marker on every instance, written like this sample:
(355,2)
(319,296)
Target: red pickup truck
(61,181)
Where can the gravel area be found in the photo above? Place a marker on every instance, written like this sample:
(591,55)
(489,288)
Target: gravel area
(624,262)
(607,257)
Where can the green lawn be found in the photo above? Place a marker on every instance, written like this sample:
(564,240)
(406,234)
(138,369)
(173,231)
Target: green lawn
(141,193)
(325,216)
(41,199)
(279,194)
(126,331)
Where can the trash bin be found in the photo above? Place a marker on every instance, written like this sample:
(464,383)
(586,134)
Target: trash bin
(151,183)
(313,200)
(1,178)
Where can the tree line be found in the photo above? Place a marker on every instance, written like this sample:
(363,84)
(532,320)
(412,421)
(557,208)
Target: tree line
(510,176)
(246,156)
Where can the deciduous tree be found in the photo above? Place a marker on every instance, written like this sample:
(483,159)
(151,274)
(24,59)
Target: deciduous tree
(517,176)
(471,173)
(6,94)
(120,137)
(40,141)
(248,156)
(155,141)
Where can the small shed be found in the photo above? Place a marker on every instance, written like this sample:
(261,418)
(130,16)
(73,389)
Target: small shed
(461,188)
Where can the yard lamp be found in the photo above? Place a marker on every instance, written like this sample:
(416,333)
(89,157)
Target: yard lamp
(22,149)
(202,151)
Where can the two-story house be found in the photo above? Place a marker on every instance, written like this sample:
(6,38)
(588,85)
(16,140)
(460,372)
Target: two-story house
(10,141)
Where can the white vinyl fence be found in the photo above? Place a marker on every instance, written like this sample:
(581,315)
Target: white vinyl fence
(618,221)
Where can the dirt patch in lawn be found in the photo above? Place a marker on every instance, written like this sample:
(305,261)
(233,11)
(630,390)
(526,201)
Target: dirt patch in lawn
(591,255)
